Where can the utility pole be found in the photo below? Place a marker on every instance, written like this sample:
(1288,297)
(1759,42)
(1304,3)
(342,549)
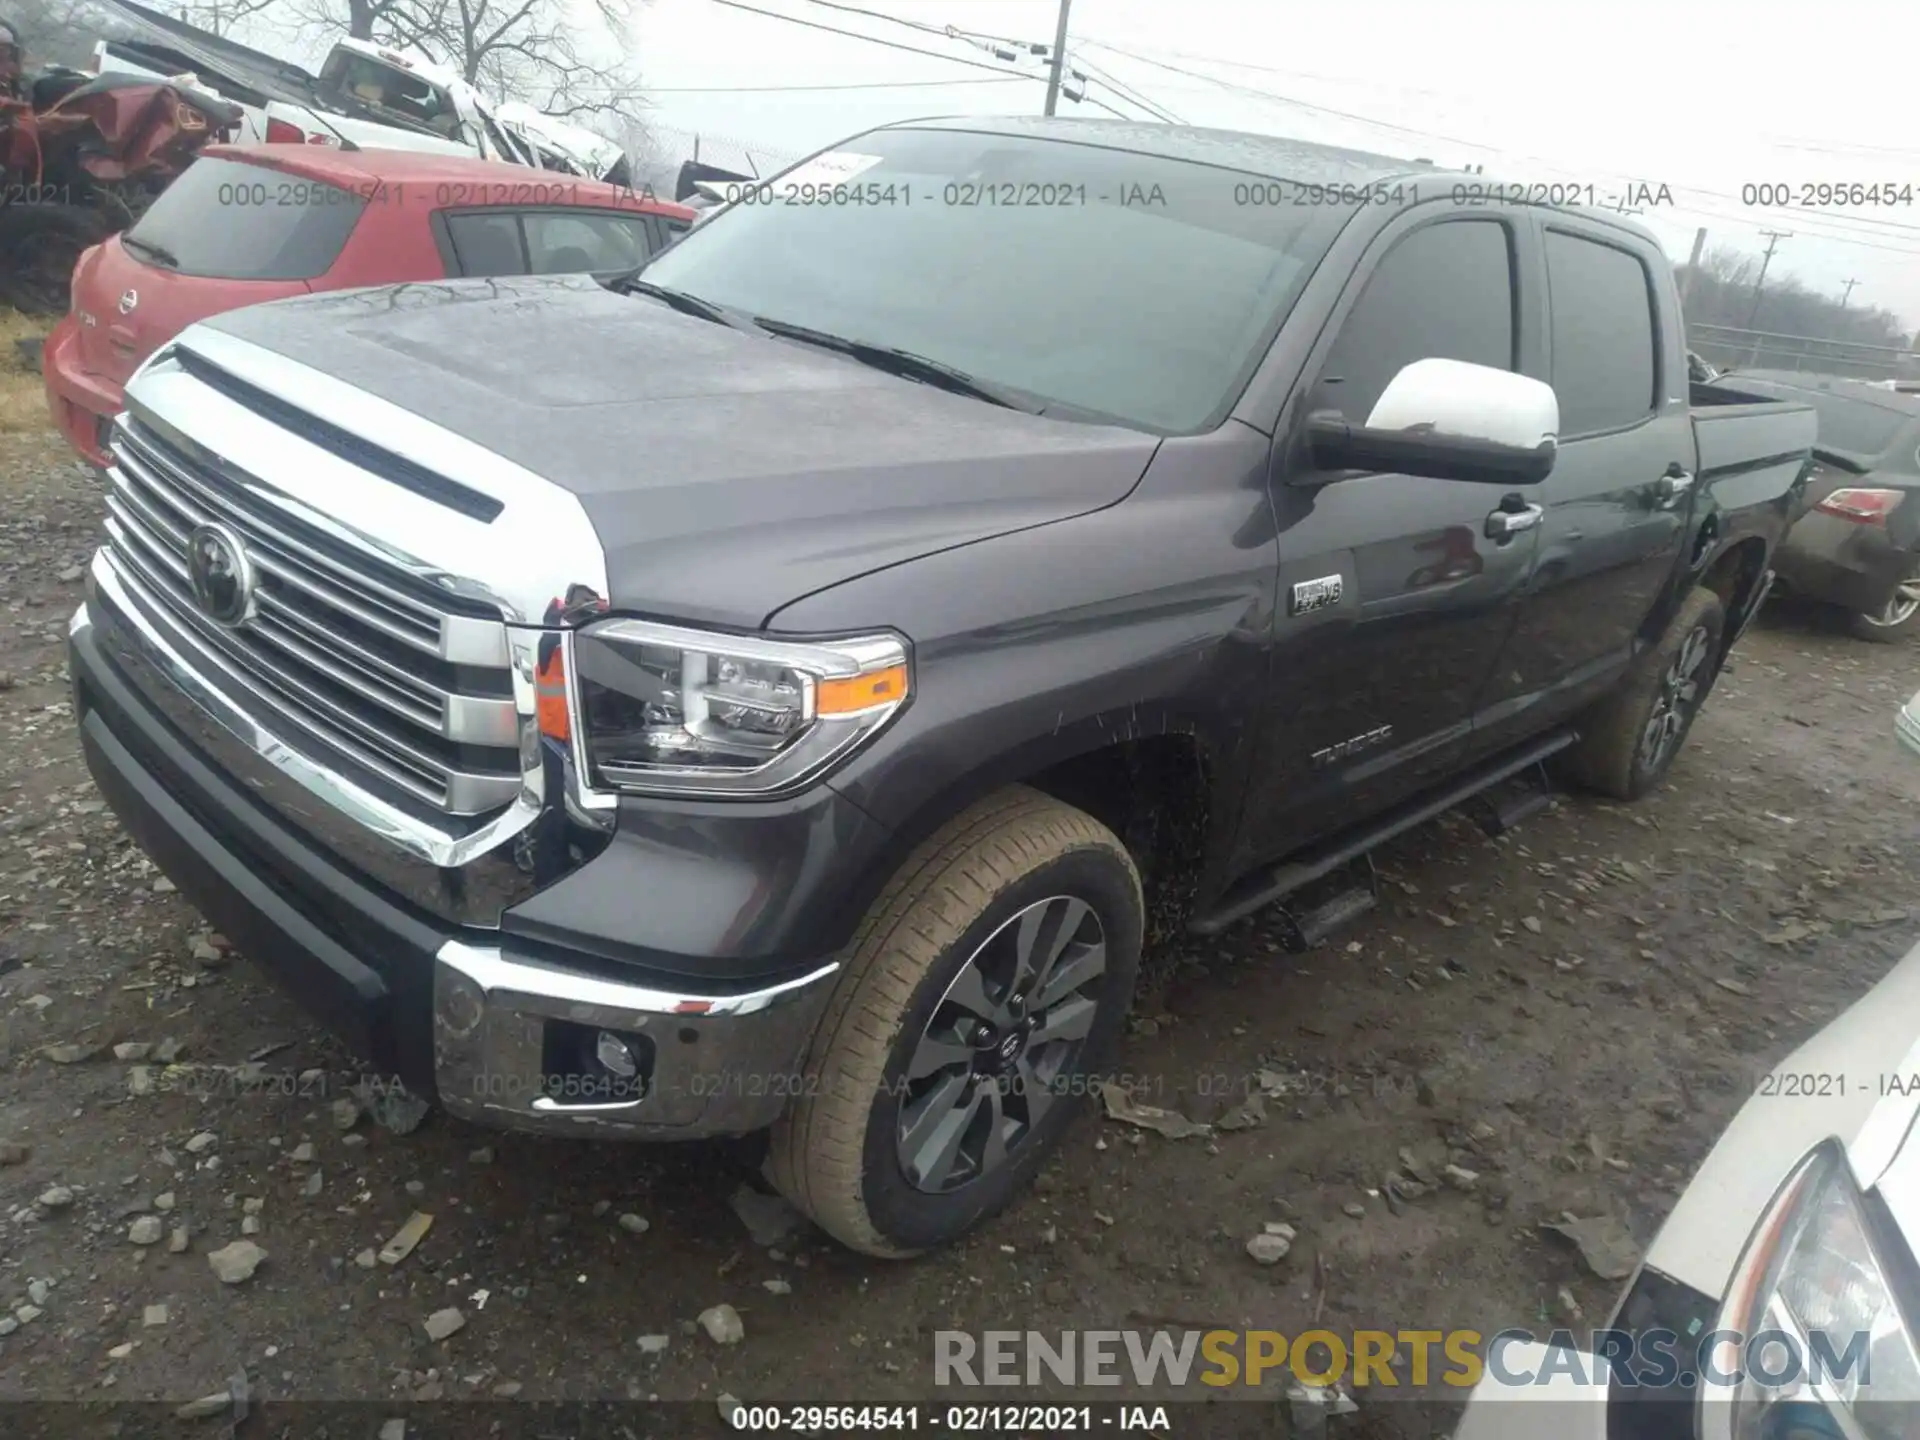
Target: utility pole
(1693,264)
(1774,237)
(1059,58)
(1847,293)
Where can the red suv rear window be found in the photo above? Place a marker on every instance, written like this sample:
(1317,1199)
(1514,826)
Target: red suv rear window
(228,220)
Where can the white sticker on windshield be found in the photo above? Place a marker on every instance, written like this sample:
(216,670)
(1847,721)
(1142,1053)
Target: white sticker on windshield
(836,167)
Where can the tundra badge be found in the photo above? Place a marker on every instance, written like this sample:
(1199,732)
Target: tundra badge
(1353,746)
(1315,594)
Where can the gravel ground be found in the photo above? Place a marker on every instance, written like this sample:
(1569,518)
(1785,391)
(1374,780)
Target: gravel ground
(1572,1012)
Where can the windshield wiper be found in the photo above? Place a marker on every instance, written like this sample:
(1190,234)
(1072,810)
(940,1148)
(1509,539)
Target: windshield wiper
(680,300)
(156,252)
(899,362)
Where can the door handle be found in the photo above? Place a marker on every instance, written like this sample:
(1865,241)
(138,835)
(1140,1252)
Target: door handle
(1503,524)
(1673,484)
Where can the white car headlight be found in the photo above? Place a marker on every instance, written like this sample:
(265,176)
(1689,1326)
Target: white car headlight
(1813,1324)
(673,711)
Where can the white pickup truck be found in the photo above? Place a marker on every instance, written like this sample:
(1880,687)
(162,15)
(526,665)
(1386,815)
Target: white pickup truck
(365,95)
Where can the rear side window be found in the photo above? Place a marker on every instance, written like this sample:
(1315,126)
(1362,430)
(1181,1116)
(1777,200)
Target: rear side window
(561,244)
(230,221)
(1444,292)
(1603,338)
(487,244)
(547,242)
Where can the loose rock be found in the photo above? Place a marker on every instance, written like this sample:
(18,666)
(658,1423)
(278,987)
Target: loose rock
(723,1325)
(652,1344)
(153,1315)
(769,1218)
(443,1323)
(346,1113)
(12,1152)
(1269,1249)
(205,1407)
(177,1241)
(202,1143)
(301,1154)
(633,1224)
(236,1262)
(147,1230)
(132,1050)
(55,1197)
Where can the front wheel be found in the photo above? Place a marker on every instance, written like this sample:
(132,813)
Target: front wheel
(1898,618)
(1629,741)
(980,996)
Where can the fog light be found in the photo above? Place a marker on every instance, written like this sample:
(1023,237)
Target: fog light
(615,1054)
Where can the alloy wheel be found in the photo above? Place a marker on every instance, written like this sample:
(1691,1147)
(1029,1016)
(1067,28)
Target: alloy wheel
(1675,701)
(1901,607)
(988,1065)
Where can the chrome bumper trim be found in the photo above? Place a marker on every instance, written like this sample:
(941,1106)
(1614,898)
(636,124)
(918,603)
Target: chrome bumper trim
(1906,726)
(722,1064)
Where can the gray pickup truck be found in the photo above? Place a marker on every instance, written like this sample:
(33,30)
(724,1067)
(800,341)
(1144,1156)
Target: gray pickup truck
(786,690)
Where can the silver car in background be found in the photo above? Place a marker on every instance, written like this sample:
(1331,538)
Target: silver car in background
(1805,1220)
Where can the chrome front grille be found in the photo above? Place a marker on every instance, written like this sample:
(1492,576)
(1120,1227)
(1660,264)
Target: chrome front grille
(414,694)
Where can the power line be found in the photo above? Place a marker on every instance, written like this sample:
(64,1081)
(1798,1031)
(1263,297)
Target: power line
(1126,92)
(872,39)
(787,89)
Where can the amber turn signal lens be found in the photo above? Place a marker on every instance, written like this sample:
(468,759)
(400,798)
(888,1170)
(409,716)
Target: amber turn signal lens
(849,696)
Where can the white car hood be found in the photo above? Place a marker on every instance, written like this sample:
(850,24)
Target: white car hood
(1871,1047)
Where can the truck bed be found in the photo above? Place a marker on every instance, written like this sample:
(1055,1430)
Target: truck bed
(1753,453)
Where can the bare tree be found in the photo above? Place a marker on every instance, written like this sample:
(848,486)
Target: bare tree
(220,16)
(54,32)
(546,52)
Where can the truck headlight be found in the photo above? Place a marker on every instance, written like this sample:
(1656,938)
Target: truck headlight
(1844,1360)
(668,710)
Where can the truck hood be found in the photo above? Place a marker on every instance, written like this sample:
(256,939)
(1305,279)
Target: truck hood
(726,474)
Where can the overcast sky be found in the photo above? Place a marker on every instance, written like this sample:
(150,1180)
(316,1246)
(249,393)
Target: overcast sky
(1702,98)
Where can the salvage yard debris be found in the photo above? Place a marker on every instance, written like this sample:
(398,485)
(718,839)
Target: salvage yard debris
(1121,1106)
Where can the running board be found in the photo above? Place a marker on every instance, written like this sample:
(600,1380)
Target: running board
(1261,890)
(1498,814)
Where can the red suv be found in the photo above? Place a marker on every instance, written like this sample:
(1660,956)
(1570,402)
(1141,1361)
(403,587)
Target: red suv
(250,223)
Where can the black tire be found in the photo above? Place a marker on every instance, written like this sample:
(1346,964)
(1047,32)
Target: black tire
(1617,753)
(1898,619)
(839,1152)
(39,246)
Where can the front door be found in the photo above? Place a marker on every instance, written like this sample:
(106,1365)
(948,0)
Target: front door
(1619,497)
(1396,592)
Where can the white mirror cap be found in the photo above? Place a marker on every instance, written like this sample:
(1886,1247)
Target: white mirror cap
(1472,402)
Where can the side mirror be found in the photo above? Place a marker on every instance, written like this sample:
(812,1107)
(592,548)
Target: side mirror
(1448,420)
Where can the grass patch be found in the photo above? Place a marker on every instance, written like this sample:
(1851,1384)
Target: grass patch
(23,403)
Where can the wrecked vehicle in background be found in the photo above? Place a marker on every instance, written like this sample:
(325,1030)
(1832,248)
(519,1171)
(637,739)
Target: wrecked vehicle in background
(81,157)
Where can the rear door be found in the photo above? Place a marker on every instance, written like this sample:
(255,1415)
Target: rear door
(1621,491)
(223,235)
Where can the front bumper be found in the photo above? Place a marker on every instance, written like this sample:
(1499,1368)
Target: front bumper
(81,402)
(497,1026)
(1841,561)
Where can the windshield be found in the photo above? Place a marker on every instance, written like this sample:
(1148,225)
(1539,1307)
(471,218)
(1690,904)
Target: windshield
(1119,285)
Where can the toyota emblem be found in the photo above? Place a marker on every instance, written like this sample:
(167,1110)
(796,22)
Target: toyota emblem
(222,575)
(129,301)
